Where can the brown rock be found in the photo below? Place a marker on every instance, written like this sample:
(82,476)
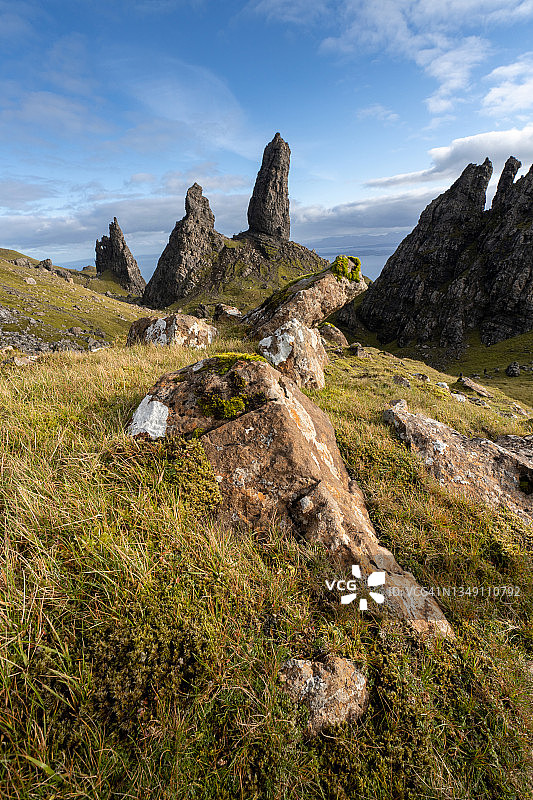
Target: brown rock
(483,470)
(177,329)
(334,691)
(333,335)
(475,387)
(275,458)
(297,352)
(268,211)
(224,313)
(309,299)
(399,380)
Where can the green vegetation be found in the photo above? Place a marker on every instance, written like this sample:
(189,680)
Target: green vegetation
(141,642)
(50,307)
(347,267)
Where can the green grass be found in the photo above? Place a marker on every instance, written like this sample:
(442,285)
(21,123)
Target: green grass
(476,358)
(141,643)
(56,305)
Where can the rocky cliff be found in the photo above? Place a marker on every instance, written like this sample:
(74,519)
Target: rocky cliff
(199,262)
(462,268)
(113,254)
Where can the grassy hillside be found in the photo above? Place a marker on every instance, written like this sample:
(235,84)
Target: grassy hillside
(476,358)
(141,643)
(48,308)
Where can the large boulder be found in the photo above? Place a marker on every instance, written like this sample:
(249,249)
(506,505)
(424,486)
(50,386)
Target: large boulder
(334,691)
(298,352)
(497,473)
(310,299)
(177,329)
(275,459)
(114,255)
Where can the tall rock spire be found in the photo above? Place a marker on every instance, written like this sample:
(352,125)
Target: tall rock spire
(186,259)
(268,211)
(113,254)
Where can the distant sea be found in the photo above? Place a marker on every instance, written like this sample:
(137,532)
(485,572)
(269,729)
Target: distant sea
(372,257)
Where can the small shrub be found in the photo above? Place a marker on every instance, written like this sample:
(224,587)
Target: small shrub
(347,267)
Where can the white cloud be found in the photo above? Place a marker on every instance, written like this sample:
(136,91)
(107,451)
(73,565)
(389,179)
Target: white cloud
(390,212)
(513,91)
(379,112)
(440,36)
(450,160)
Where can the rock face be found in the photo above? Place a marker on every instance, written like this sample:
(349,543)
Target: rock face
(333,691)
(275,458)
(462,268)
(112,253)
(309,299)
(496,473)
(178,329)
(298,352)
(185,261)
(268,211)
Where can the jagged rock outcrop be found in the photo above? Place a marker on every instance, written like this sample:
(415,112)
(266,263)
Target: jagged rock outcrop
(309,299)
(461,268)
(275,457)
(200,262)
(496,473)
(187,259)
(177,329)
(268,211)
(113,254)
(296,351)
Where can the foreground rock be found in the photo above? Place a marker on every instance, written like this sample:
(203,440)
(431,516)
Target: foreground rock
(296,351)
(490,472)
(461,268)
(177,329)
(310,299)
(333,691)
(268,211)
(275,459)
(114,255)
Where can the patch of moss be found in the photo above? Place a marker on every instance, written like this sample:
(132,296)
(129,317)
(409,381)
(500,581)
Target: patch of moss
(225,361)
(172,465)
(347,267)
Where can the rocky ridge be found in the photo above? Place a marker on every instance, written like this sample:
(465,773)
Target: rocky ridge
(462,268)
(114,255)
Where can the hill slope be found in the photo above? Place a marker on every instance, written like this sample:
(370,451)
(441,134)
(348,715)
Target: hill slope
(142,643)
(39,306)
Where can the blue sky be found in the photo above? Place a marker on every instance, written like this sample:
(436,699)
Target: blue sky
(114,109)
